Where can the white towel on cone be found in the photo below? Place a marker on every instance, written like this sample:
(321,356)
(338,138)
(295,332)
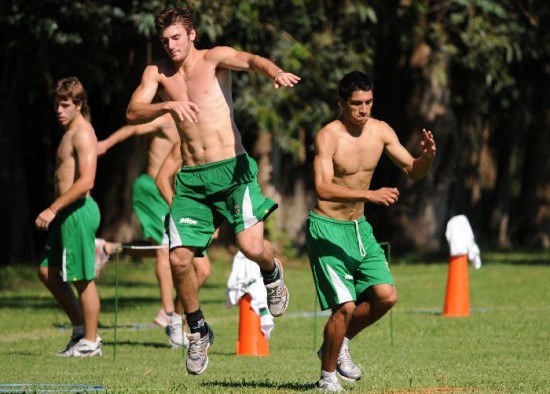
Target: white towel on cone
(461,240)
(245,277)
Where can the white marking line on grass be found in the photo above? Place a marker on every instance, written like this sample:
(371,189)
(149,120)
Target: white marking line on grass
(50,388)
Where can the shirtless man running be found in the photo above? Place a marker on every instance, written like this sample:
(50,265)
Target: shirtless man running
(218,179)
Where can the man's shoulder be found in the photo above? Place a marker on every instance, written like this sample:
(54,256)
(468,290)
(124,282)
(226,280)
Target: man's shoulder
(83,131)
(378,123)
(335,126)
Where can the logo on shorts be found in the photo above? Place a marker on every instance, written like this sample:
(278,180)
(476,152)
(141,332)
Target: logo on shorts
(348,277)
(236,209)
(188,221)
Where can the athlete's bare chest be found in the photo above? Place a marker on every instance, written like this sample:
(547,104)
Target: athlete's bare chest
(192,85)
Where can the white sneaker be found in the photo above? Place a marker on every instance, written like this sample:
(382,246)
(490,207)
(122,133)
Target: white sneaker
(277,294)
(174,330)
(85,348)
(345,366)
(66,352)
(161,319)
(329,385)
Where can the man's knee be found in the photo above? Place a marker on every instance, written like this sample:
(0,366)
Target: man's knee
(388,300)
(344,311)
(181,258)
(252,252)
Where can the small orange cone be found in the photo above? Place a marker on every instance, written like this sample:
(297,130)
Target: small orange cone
(251,340)
(457,298)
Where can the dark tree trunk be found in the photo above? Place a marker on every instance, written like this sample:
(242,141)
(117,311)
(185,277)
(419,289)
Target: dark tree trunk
(534,207)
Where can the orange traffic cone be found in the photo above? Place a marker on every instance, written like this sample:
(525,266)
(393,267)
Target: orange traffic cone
(251,340)
(457,298)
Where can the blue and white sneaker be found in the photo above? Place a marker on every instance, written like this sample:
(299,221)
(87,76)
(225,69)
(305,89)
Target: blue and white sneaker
(345,366)
(85,348)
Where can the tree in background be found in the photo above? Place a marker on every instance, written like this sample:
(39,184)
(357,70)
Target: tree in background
(474,71)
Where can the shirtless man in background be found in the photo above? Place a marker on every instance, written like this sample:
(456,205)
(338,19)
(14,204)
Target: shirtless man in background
(218,179)
(73,219)
(151,210)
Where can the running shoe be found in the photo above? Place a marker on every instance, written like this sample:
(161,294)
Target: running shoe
(328,385)
(174,330)
(197,354)
(85,348)
(345,366)
(162,319)
(66,352)
(277,294)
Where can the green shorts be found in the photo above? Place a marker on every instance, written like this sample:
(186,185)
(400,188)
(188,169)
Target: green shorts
(71,243)
(206,195)
(345,259)
(150,208)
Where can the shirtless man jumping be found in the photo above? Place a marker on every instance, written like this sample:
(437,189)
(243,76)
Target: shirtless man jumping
(350,272)
(218,179)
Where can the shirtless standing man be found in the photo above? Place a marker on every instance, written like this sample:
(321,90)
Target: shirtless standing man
(151,210)
(349,268)
(218,179)
(74,218)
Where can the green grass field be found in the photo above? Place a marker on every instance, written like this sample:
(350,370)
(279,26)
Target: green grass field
(502,347)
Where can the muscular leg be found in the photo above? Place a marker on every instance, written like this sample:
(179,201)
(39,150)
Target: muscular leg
(185,279)
(63,294)
(90,304)
(252,244)
(202,271)
(164,277)
(379,300)
(334,333)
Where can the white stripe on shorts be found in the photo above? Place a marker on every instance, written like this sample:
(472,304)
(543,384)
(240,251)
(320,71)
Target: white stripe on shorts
(249,219)
(64,264)
(341,290)
(175,239)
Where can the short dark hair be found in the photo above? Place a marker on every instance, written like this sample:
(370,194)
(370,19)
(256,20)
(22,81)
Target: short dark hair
(72,88)
(172,16)
(353,81)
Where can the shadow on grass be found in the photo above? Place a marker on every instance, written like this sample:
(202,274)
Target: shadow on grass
(154,345)
(107,303)
(259,384)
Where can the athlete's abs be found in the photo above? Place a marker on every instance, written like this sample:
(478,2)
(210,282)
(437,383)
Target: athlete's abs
(213,138)
(340,210)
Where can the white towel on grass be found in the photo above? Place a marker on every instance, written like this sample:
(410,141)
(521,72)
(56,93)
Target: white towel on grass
(461,240)
(245,277)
